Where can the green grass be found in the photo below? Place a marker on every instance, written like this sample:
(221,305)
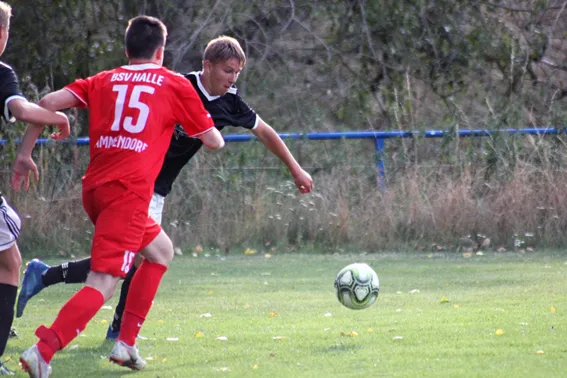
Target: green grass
(514,293)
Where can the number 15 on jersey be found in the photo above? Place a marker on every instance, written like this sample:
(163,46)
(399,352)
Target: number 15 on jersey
(128,123)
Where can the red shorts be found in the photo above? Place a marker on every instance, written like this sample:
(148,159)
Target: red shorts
(122,227)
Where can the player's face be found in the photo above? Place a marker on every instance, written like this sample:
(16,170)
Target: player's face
(223,75)
(4,34)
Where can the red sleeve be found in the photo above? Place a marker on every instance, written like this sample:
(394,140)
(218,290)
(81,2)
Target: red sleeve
(190,112)
(80,88)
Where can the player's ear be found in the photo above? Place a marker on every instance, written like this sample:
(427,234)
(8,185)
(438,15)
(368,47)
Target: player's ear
(207,65)
(159,53)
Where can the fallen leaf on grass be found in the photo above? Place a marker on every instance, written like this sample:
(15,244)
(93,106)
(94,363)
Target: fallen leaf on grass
(273,314)
(164,360)
(552,309)
(104,321)
(499,332)
(199,334)
(255,367)
(350,334)
(539,352)
(210,292)
(272,355)
(445,300)
(249,252)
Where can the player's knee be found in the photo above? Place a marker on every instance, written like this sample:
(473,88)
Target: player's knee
(103,282)
(160,250)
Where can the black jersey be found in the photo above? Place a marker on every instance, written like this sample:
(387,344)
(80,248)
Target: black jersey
(226,110)
(9,90)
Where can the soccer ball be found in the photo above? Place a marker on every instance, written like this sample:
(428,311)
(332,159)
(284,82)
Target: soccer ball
(357,286)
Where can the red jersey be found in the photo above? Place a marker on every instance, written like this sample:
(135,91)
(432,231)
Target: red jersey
(133,111)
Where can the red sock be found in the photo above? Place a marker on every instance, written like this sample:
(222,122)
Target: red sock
(71,320)
(143,289)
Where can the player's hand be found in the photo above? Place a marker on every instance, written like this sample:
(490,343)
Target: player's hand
(64,129)
(303,181)
(23,165)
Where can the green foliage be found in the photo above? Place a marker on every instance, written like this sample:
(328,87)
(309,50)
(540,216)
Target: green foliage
(320,66)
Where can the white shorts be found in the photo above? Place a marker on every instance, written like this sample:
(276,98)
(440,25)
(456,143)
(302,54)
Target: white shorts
(10,224)
(156,207)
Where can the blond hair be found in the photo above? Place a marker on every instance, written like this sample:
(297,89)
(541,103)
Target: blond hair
(224,48)
(5,14)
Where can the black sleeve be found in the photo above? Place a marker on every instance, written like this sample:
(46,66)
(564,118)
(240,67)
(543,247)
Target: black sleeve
(243,115)
(9,89)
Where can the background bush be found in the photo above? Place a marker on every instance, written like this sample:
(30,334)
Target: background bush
(321,66)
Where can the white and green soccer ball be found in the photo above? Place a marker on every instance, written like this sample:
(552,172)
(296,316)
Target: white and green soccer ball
(357,286)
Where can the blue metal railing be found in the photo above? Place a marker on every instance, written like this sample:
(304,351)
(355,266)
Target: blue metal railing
(378,136)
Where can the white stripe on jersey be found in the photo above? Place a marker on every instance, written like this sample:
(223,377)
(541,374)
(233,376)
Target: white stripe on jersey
(231,90)
(7,115)
(10,224)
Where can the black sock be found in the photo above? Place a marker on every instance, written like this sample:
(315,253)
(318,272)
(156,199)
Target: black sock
(69,272)
(122,302)
(7,300)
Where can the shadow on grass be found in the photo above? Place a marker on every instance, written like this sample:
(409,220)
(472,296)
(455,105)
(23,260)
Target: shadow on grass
(340,348)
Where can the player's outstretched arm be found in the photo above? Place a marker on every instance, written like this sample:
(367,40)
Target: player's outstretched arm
(24,164)
(58,100)
(29,112)
(267,135)
(212,139)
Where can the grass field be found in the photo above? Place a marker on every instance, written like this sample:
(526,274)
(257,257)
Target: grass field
(436,316)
